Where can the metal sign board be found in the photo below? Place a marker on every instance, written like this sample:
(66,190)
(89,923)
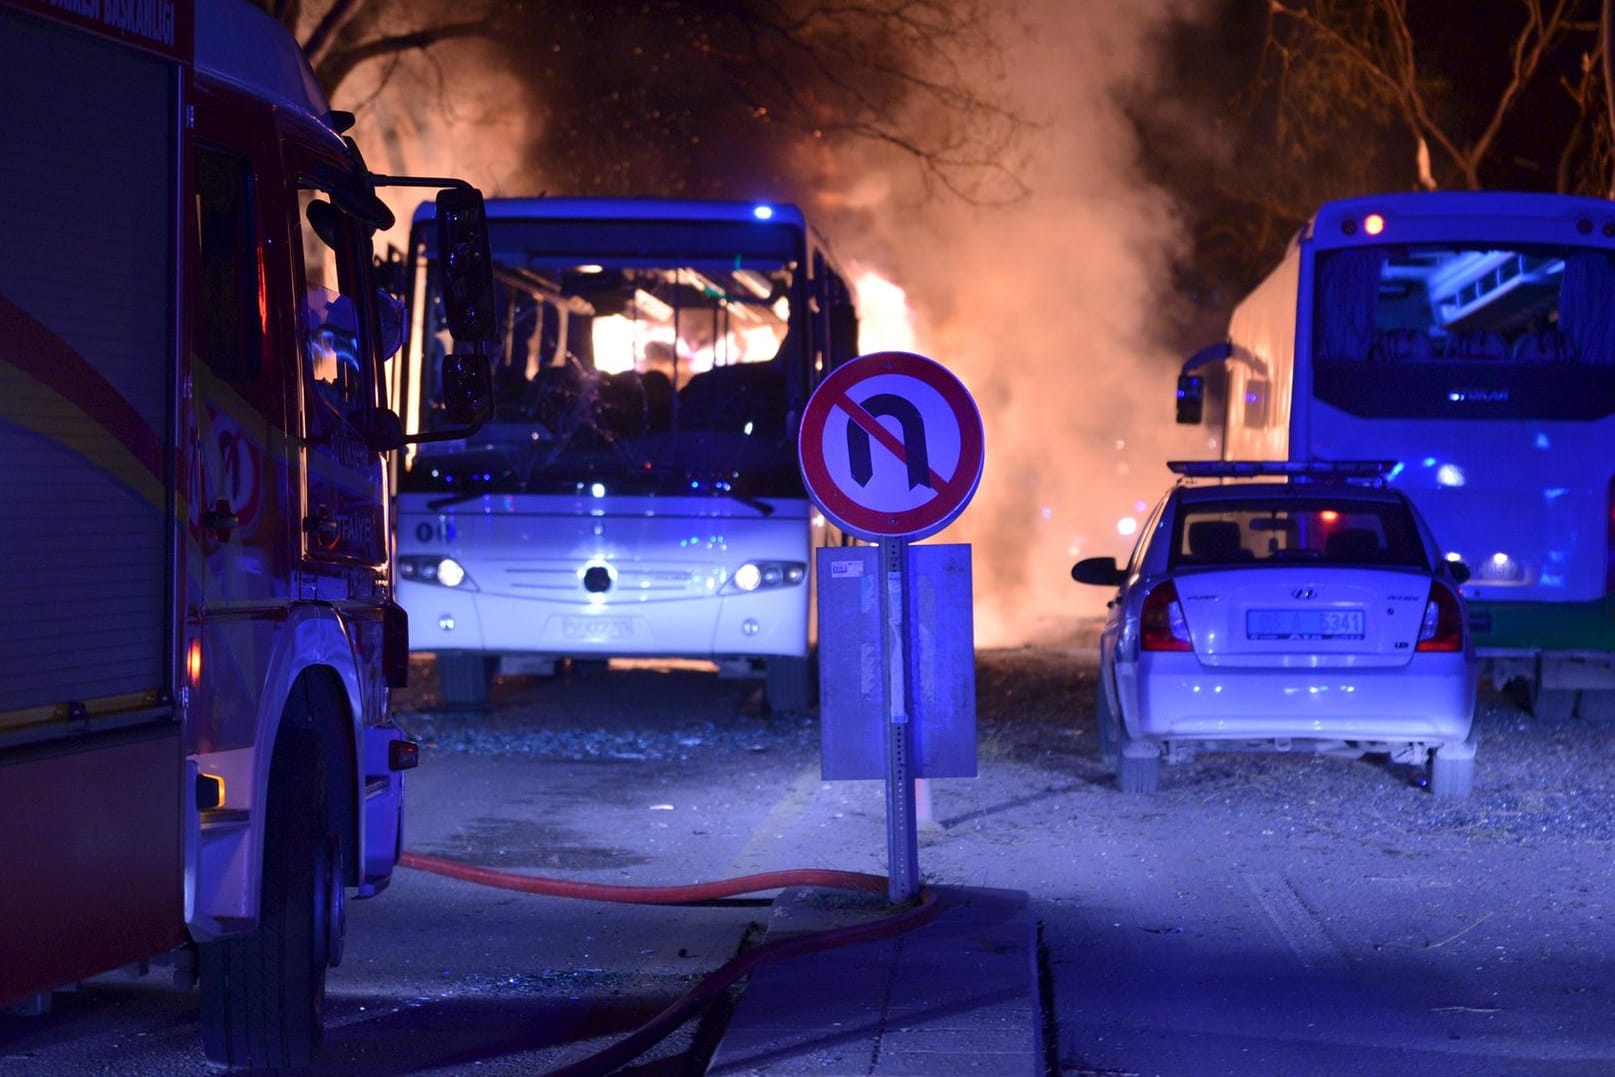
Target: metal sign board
(891,446)
(853,664)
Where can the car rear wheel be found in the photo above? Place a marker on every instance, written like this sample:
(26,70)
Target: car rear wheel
(1136,773)
(1451,778)
(1106,725)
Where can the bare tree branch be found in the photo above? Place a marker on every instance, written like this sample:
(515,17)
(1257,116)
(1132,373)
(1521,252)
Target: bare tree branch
(340,62)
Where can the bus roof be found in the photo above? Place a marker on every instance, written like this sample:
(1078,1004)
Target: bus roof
(617,209)
(1435,216)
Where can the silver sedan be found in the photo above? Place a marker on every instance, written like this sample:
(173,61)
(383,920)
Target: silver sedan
(1282,607)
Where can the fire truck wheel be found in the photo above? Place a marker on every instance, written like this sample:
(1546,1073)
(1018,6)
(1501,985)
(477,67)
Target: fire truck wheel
(263,994)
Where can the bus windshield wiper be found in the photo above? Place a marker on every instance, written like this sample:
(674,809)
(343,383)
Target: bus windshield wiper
(440,503)
(762,507)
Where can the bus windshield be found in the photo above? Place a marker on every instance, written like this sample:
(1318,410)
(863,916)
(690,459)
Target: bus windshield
(1458,330)
(633,357)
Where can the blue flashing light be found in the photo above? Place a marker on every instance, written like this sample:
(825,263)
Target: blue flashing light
(763,211)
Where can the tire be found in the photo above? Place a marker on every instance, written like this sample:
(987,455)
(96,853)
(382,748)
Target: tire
(1451,779)
(263,994)
(1597,705)
(1553,704)
(789,683)
(1137,773)
(1107,727)
(588,667)
(464,679)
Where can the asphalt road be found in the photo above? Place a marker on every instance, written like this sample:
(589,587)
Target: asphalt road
(1260,915)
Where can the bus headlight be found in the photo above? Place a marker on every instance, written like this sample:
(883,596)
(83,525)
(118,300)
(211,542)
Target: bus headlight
(433,568)
(766,575)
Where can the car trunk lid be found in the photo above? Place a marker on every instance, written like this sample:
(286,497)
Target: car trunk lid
(1266,616)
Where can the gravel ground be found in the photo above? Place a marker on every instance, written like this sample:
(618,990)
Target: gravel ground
(1035,707)
(1379,930)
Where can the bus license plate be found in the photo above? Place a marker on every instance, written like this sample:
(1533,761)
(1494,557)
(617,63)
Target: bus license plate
(1304,624)
(597,629)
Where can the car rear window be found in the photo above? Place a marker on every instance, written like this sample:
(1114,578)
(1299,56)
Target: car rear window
(1291,530)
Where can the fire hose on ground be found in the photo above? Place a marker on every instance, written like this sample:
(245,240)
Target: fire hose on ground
(702,994)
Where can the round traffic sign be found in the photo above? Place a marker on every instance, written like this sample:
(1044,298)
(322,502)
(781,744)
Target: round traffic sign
(891,446)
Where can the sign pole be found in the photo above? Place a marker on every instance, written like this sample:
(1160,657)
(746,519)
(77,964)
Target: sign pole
(902,840)
(891,448)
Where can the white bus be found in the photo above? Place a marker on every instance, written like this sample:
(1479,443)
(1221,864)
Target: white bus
(1470,338)
(637,493)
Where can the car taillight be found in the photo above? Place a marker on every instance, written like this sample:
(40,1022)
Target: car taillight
(1443,625)
(1161,626)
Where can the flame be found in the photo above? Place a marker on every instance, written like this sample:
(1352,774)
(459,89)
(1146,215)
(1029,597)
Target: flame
(885,322)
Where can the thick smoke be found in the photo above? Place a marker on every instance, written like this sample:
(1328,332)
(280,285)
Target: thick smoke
(453,112)
(1056,310)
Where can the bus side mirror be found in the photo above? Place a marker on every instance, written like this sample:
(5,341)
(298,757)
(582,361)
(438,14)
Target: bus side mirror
(467,390)
(1191,398)
(466,264)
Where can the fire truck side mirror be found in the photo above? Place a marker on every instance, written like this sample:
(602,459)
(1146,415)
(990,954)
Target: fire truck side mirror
(467,389)
(1191,398)
(466,264)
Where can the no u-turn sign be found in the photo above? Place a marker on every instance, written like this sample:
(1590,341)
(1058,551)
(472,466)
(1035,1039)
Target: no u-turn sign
(891,446)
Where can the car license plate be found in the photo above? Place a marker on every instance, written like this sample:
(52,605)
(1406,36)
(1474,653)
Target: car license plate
(1304,624)
(597,629)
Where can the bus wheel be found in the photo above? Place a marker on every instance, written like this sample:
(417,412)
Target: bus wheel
(1597,705)
(464,679)
(790,683)
(1553,704)
(263,994)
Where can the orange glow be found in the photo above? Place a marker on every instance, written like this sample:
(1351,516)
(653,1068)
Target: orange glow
(193,663)
(209,791)
(1373,224)
(1329,516)
(885,321)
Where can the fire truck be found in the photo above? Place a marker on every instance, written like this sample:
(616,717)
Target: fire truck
(198,766)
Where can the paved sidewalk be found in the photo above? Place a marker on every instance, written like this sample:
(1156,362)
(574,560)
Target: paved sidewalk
(958,995)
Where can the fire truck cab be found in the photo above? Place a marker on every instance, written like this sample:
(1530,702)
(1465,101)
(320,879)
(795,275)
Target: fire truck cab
(197,759)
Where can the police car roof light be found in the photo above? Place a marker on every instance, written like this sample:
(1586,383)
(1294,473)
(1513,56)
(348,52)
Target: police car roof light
(1302,470)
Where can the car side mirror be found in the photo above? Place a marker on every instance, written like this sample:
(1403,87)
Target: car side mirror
(1459,571)
(1100,571)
